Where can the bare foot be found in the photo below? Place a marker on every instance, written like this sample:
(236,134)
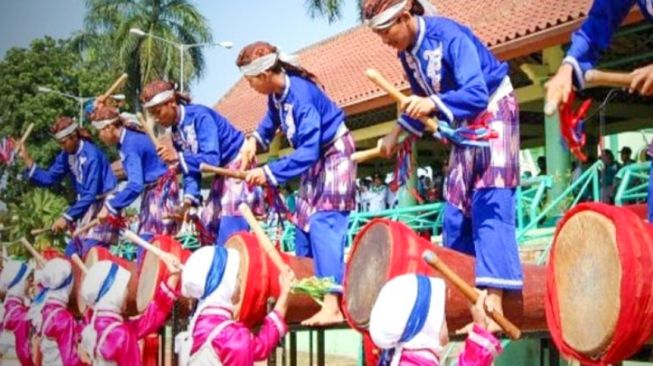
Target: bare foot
(325,317)
(329,314)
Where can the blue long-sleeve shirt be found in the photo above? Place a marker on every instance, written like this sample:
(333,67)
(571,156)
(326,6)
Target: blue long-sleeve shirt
(450,65)
(141,164)
(310,120)
(203,136)
(594,36)
(90,171)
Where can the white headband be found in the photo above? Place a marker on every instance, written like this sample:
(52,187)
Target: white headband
(162,97)
(387,17)
(66,132)
(264,63)
(100,125)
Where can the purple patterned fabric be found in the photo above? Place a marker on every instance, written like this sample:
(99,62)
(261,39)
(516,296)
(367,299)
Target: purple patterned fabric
(159,200)
(104,233)
(227,194)
(472,168)
(330,185)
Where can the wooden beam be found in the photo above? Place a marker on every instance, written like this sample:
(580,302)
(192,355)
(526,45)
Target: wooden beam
(373,132)
(616,110)
(528,94)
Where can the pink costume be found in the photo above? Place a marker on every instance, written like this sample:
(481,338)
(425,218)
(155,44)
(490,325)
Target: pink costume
(210,275)
(15,337)
(109,339)
(58,329)
(395,308)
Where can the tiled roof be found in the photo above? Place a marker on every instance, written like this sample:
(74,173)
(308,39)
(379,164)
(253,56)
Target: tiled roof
(340,61)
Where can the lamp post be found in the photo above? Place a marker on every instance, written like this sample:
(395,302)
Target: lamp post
(80,100)
(182,49)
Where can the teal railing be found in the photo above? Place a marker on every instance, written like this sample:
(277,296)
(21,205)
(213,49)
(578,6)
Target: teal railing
(531,196)
(633,183)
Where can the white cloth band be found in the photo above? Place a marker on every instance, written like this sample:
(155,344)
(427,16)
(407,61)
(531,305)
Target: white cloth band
(66,132)
(264,63)
(387,17)
(162,97)
(100,125)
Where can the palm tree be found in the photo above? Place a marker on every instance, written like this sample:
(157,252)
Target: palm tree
(145,58)
(330,9)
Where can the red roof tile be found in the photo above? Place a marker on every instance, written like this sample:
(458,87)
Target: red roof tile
(340,61)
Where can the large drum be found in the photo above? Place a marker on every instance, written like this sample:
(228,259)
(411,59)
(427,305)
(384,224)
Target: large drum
(97,254)
(599,296)
(385,249)
(259,281)
(153,271)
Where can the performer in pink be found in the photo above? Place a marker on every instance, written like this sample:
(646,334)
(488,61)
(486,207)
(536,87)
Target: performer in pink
(58,330)
(14,341)
(214,338)
(408,323)
(109,339)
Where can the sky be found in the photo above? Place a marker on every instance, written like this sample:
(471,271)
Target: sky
(284,23)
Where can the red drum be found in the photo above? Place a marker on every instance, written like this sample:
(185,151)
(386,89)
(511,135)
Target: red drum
(97,254)
(385,249)
(259,281)
(599,302)
(153,271)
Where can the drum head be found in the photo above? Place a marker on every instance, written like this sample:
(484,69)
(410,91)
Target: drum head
(237,243)
(588,281)
(148,279)
(367,272)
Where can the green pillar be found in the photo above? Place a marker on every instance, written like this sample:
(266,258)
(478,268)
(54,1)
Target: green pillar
(557,157)
(275,147)
(406,198)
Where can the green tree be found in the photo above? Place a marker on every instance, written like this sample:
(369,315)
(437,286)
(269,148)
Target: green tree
(145,58)
(58,65)
(329,9)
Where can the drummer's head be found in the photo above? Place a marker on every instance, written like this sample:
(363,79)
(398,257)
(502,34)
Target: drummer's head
(105,287)
(211,276)
(107,121)
(68,134)
(393,21)
(162,100)
(56,279)
(410,299)
(16,278)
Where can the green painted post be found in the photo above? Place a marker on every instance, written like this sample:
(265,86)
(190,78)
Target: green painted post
(406,198)
(558,165)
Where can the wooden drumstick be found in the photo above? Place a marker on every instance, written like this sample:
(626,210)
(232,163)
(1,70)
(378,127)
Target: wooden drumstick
(39,258)
(36,232)
(134,238)
(78,261)
(608,78)
(236,174)
(25,136)
(86,227)
(112,89)
(470,293)
(378,79)
(148,127)
(263,239)
(593,78)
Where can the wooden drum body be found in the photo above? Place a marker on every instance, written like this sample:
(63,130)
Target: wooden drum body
(385,249)
(599,296)
(259,281)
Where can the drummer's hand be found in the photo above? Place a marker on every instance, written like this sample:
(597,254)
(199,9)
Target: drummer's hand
(103,214)
(478,310)
(24,154)
(168,155)
(559,87)
(642,80)
(256,176)
(247,153)
(59,225)
(389,142)
(286,280)
(174,267)
(83,356)
(416,107)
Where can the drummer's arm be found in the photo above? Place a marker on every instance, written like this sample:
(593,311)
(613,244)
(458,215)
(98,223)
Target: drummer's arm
(155,314)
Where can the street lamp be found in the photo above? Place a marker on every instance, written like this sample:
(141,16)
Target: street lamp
(182,49)
(80,100)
